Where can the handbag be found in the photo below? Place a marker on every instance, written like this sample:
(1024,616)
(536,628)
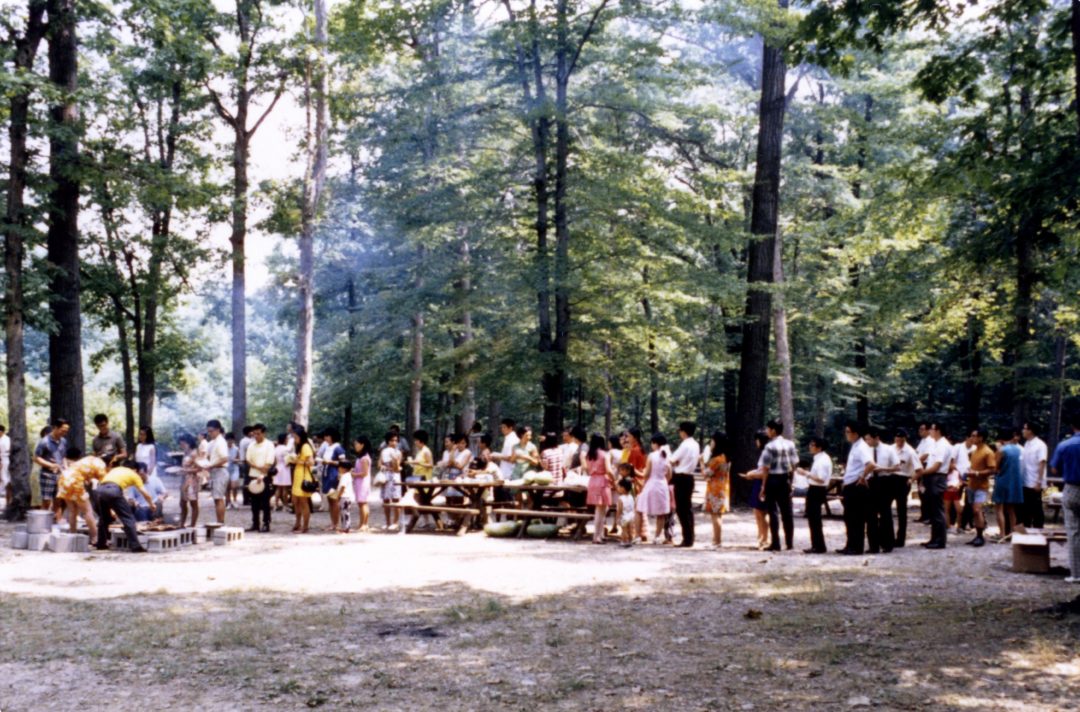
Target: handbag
(309,485)
(380,479)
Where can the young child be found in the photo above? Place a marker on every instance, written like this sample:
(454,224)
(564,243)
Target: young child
(624,513)
(346,494)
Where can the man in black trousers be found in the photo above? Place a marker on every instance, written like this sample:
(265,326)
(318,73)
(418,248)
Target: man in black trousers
(933,477)
(856,492)
(781,457)
(109,497)
(684,463)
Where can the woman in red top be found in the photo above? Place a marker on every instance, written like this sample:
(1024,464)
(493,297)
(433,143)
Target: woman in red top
(634,455)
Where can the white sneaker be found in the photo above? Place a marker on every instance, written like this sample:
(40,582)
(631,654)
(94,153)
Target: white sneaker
(1072,579)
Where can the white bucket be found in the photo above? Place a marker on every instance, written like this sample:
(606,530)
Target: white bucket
(39,522)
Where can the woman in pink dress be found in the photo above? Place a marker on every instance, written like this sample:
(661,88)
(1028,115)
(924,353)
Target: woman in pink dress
(600,482)
(654,500)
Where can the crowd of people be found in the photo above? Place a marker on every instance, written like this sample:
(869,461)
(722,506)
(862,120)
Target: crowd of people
(649,483)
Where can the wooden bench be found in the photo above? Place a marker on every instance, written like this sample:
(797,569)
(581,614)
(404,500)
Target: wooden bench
(467,515)
(580,518)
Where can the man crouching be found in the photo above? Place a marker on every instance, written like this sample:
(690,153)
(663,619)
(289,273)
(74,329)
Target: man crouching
(109,497)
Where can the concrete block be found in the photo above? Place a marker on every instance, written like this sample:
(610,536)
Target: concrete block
(119,540)
(162,541)
(37,542)
(69,543)
(19,539)
(227,535)
(187,536)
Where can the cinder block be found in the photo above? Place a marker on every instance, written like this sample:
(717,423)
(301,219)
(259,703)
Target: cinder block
(69,543)
(37,542)
(227,535)
(19,538)
(163,541)
(119,540)
(187,536)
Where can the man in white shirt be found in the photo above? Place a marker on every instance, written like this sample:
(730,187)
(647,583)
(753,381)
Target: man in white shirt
(684,462)
(856,492)
(5,463)
(956,483)
(923,451)
(260,456)
(1033,463)
(933,476)
(907,461)
(217,463)
(817,477)
(879,528)
(505,457)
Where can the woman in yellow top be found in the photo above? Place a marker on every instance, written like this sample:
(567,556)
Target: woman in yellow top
(304,461)
(72,489)
(718,483)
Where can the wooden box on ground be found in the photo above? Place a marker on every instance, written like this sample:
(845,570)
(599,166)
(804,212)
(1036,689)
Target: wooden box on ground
(1031,554)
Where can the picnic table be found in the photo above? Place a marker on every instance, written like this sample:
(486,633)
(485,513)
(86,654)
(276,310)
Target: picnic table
(472,513)
(543,502)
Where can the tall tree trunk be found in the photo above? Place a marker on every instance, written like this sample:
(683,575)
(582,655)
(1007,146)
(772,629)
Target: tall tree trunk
(416,387)
(236,240)
(1074,26)
(654,388)
(146,360)
(65,345)
(783,350)
(314,181)
(1053,430)
(1025,284)
(754,361)
(971,365)
(15,226)
(862,399)
(467,411)
(129,379)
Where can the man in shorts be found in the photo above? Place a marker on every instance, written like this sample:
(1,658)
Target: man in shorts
(217,463)
(982,464)
(49,455)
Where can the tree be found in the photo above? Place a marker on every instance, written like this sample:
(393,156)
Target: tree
(314,181)
(765,208)
(251,70)
(65,344)
(16,226)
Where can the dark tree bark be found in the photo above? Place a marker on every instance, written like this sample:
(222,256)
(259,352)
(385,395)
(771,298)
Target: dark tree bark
(16,224)
(754,361)
(971,366)
(65,345)
(1053,430)
(1074,26)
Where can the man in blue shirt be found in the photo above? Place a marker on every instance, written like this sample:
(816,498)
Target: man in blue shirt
(1066,465)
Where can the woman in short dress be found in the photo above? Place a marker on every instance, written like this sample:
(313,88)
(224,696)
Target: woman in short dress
(1008,494)
(189,486)
(361,474)
(283,477)
(302,472)
(390,474)
(71,488)
(655,500)
(717,482)
(600,482)
(757,496)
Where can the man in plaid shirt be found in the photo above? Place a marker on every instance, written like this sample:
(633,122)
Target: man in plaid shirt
(781,458)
